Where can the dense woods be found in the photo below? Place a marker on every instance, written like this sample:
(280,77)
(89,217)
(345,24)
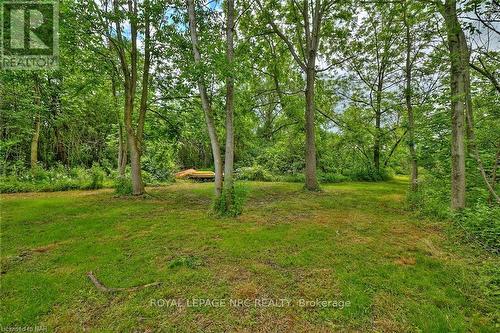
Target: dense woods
(312,91)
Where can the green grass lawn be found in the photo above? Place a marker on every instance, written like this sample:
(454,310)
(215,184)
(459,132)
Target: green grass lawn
(353,243)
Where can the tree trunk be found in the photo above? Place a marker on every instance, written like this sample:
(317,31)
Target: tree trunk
(205,102)
(308,64)
(376,144)
(36,133)
(458,102)
(135,166)
(229,154)
(122,142)
(469,116)
(310,171)
(409,107)
(122,151)
(34,142)
(378,117)
(134,137)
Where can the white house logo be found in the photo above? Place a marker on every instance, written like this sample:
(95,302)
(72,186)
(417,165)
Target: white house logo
(30,31)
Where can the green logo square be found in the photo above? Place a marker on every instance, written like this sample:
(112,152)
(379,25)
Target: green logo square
(29,34)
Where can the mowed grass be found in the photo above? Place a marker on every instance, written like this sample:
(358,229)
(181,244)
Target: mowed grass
(352,242)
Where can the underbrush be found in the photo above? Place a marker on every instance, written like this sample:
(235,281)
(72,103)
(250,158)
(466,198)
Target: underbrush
(123,186)
(259,173)
(237,195)
(61,178)
(369,175)
(58,178)
(479,222)
(432,199)
(255,173)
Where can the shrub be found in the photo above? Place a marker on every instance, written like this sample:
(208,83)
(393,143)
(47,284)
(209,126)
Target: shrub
(58,178)
(482,223)
(123,186)
(238,194)
(292,178)
(39,174)
(12,185)
(159,164)
(332,178)
(370,175)
(59,185)
(96,174)
(255,172)
(431,199)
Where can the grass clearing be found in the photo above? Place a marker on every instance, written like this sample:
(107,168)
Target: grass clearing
(352,242)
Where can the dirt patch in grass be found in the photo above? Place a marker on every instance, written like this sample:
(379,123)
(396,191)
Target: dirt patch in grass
(247,290)
(46,248)
(405,261)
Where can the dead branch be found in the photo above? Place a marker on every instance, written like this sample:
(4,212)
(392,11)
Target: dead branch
(105,289)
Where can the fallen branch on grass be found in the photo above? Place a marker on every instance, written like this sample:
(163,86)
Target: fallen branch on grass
(103,288)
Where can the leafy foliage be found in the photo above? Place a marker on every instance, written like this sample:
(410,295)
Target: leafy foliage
(123,186)
(482,223)
(58,178)
(230,203)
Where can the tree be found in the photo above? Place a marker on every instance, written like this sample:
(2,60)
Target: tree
(228,190)
(307,22)
(205,102)
(114,16)
(374,73)
(418,41)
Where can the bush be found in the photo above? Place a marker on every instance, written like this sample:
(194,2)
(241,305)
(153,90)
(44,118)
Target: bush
(292,178)
(238,194)
(12,185)
(332,178)
(369,175)
(431,199)
(255,172)
(39,174)
(158,165)
(482,223)
(96,175)
(123,186)
(58,178)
